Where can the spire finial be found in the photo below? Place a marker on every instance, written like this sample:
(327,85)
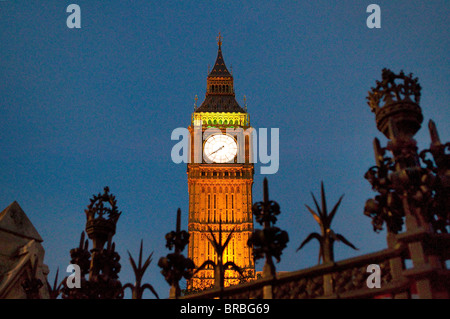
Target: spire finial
(219,39)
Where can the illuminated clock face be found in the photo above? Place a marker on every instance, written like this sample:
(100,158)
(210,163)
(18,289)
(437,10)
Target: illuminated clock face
(220,148)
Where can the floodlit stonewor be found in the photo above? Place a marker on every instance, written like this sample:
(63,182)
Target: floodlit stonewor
(220,190)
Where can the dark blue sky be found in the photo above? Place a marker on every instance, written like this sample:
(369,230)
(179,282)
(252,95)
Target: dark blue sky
(84,108)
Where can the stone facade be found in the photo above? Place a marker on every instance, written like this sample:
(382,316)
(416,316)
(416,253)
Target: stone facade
(220,193)
(21,256)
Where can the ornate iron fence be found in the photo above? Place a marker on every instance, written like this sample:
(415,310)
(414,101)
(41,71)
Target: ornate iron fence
(348,280)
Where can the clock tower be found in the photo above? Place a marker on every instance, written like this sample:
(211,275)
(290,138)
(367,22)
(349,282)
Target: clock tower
(220,179)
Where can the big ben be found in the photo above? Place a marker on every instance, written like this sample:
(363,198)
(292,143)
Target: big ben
(220,178)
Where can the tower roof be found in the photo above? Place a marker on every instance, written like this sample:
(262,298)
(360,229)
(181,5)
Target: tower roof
(14,220)
(220,95)
(219,69)
(215,103)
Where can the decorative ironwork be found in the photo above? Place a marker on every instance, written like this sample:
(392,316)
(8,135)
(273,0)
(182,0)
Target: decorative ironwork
(101,220)
(32,284)
(175,266)
(54,290)
(387,206)
(348,279)
(138,289)
(219,266)
(355,278)
(437,182)
(413,188)
(100,264)
(303,288)
(327,236)
(400,184)
(405,187)
(245,294)
(397,98)
(270,241)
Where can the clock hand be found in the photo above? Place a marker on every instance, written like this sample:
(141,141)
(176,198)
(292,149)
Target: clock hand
(217,150)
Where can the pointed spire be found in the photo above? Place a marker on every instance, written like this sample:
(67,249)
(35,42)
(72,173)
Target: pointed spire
(219,69)
(219,40)
(220,95)
(195,103)
(434,133)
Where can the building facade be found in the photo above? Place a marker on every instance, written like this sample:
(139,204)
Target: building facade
(220,179)
(23,273)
